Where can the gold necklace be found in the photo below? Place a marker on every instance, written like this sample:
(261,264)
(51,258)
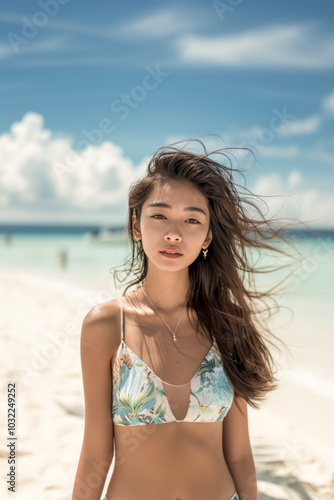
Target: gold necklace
(173,332)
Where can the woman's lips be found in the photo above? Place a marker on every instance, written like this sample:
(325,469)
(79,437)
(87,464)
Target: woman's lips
(171,255)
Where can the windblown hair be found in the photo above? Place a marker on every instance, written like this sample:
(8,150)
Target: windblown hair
(222,288)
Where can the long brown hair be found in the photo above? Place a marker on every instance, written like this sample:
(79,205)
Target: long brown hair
(222,288)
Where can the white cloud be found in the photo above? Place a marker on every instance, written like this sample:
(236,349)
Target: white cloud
(291,151)
(294,178)
(47,45)
(160,23)
(42,173)
(321,153)
(302,127)
(286,198)
(251,137)
(43,178)
(328,103)
(301,46)
(263,136)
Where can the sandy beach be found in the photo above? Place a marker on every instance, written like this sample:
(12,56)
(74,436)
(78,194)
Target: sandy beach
(40,333)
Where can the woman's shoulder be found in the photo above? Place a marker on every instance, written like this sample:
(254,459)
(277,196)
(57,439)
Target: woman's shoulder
(101,327)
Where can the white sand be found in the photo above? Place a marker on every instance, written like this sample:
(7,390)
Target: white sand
(40,332)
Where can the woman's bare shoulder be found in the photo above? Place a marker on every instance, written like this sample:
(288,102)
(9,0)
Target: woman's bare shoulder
(101,327)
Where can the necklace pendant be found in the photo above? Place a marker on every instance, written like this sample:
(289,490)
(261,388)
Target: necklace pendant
(169,328)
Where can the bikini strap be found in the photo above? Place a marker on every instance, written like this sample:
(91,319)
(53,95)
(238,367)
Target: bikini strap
(122,314)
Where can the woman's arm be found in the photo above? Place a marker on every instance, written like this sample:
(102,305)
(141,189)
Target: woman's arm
(238,452)
(98,340)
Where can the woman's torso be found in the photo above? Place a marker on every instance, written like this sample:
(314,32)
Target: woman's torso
(171,459)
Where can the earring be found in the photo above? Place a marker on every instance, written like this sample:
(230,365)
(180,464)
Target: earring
(205,252)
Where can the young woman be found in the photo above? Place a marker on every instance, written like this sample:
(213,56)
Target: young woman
(170,367)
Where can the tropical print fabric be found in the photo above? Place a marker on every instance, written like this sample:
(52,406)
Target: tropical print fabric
(139,397)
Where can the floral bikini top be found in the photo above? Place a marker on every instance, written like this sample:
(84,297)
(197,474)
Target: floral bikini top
(139,396)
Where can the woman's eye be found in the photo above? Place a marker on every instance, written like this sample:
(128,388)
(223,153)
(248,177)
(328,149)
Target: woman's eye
(160,216)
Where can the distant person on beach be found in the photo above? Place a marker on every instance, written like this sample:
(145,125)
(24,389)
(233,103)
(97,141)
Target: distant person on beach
(7,238)
(62,257)
(170,367)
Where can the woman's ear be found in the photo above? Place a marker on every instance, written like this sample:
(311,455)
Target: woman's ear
(208,238)
(136,228)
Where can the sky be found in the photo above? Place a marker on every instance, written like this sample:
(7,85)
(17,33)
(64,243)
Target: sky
(89,90)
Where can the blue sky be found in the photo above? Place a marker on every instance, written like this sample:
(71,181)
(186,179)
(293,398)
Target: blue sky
(90,90)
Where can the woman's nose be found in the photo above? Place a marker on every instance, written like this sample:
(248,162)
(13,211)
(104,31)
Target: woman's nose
(173,235)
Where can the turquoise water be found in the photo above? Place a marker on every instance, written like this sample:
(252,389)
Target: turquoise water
(89,263)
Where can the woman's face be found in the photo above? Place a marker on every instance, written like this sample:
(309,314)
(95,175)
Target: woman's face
(175,217)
